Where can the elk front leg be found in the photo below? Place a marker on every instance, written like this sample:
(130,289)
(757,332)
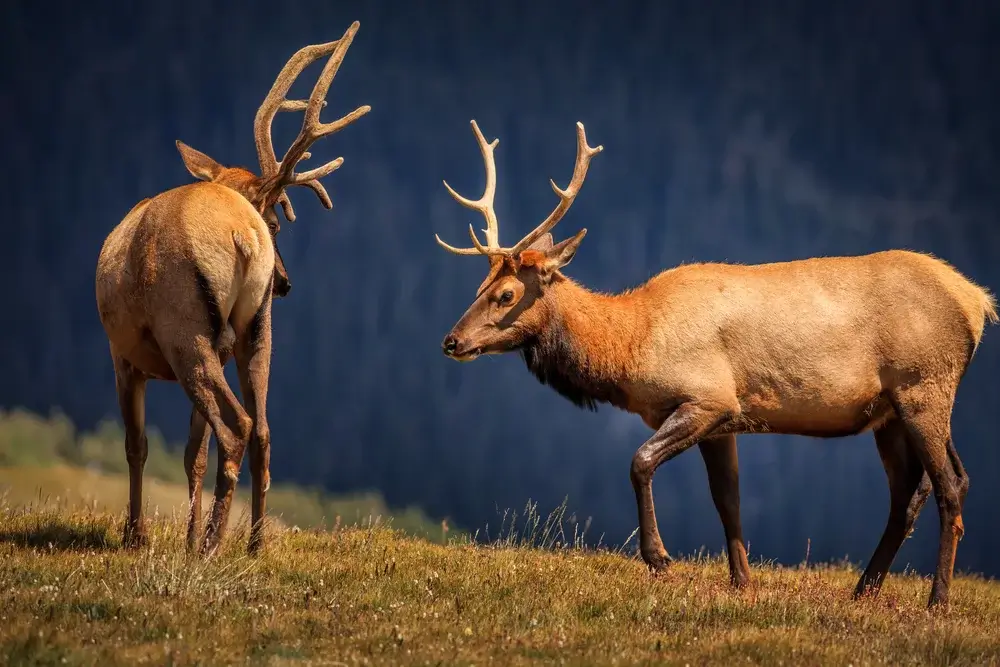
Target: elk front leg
(686,425)
(722,465)
(131,387)
(253,364)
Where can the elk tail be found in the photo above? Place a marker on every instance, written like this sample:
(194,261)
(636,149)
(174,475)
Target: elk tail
(246,247)
(990,307)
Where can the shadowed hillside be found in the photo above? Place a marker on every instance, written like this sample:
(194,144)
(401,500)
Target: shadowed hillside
(44,462)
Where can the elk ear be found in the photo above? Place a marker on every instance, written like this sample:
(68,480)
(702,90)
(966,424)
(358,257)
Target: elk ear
(543,243)
(200,165)
(553,259)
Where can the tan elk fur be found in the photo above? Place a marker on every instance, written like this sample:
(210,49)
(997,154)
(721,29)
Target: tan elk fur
(187,279)
(822,347)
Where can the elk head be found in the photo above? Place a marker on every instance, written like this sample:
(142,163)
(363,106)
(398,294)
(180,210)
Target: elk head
(511,309)
(267,191)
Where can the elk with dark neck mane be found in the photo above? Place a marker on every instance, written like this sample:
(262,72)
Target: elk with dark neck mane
(822,347)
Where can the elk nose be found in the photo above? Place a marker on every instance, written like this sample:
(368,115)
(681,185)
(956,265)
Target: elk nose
(449,345)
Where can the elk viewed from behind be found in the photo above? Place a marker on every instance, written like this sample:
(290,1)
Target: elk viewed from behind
(822,347)
(187,278)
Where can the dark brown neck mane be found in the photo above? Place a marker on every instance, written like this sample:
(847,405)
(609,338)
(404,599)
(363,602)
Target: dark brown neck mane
(585,351)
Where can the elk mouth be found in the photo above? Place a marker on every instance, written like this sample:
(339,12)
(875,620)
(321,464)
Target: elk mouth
(468,355)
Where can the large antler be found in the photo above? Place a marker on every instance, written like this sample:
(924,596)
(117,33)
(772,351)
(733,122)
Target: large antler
(484,204)
(279,175)
(584,153)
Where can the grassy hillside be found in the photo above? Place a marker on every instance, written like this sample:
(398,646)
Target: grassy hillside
(373,596)
(46,460)
(73,488)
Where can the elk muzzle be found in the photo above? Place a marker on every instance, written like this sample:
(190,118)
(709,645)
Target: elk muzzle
(457,349)
(449,345)
(282,285)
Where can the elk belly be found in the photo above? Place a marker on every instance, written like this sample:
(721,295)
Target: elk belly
(839,407)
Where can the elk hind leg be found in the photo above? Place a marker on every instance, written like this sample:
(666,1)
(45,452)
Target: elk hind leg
(200,373)
(722,465)
(917,501)
(130,384)
(924,490)
(961,477)
(196,457)
(904,472)
(253,364)
(195,464)
(926,414)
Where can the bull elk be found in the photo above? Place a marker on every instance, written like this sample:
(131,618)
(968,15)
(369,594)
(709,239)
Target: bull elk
(187,278)
(822,347)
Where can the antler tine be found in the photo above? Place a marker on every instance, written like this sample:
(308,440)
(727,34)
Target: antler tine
(315,186)
(317,99)
(584,153)
(484,204)
(321,192)
(286,207)
(457,251)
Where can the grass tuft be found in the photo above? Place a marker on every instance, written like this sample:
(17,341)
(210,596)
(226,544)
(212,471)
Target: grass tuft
(52,531)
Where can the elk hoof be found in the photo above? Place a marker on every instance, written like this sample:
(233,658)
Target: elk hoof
(134,536)
(938,603)
(867,589)
(657,562)
(256,545)
(210,544)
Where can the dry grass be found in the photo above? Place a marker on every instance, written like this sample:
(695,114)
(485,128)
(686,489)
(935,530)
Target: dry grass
(78,488)
(73,488)
(69,595)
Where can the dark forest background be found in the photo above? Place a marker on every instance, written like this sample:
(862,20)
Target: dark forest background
(738,131)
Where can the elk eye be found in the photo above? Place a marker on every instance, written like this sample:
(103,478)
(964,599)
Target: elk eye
(506,297)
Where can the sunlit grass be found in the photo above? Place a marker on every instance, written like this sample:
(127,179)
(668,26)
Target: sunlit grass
(70,595)
(72,488)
